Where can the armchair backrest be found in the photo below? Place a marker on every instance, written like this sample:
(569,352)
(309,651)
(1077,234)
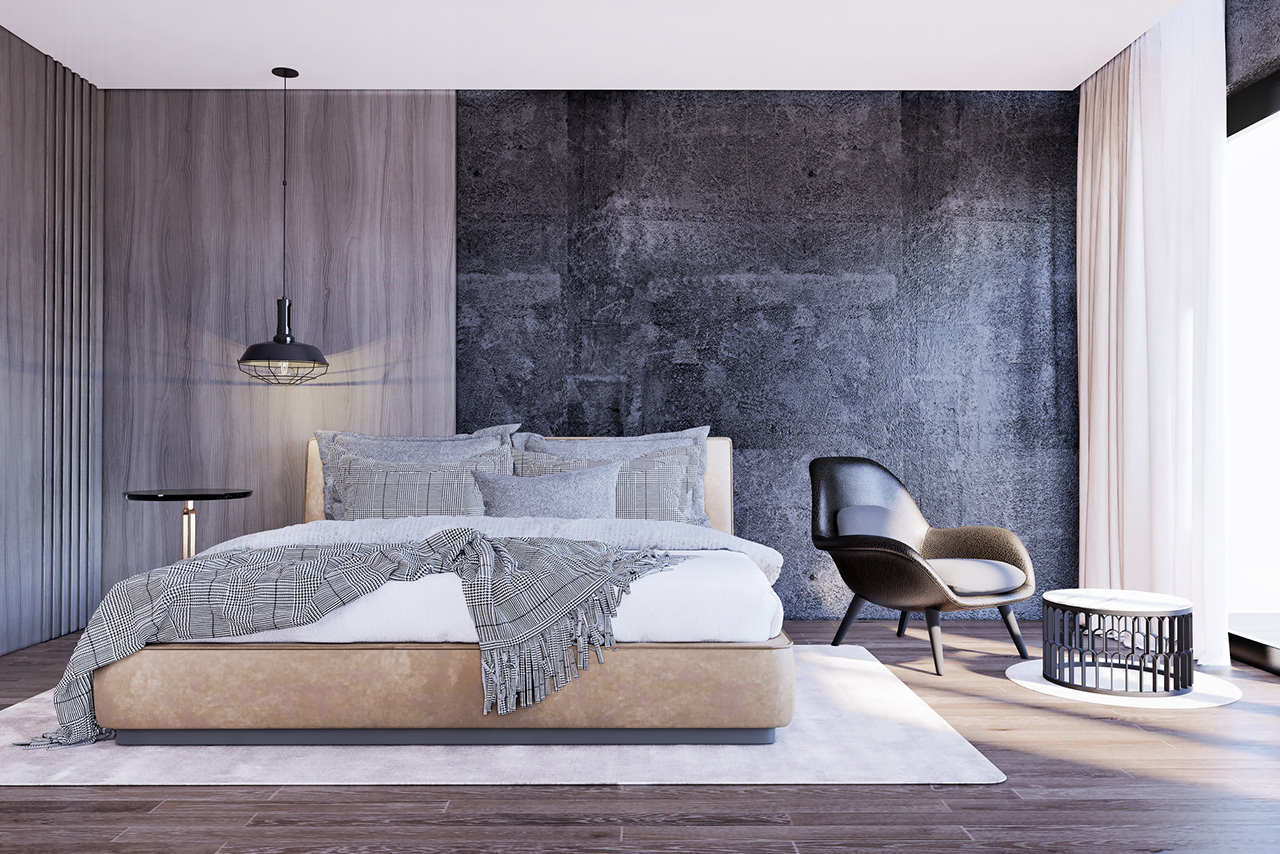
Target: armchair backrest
(857,482)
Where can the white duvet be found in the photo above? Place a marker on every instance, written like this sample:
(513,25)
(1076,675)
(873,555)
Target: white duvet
(722,592)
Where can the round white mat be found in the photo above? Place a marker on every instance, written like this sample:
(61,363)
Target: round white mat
(1206,691)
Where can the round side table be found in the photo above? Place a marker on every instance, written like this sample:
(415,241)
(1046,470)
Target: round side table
(1118,642)
(189,497)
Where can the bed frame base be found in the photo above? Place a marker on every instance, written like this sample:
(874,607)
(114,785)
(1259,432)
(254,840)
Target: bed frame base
(442,736)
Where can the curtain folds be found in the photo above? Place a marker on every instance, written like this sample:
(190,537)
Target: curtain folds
(1152,144)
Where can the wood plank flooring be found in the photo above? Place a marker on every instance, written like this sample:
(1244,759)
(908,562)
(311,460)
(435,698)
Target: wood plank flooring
(1081,778)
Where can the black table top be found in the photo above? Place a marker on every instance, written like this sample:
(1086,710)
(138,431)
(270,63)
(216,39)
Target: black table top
(186,494)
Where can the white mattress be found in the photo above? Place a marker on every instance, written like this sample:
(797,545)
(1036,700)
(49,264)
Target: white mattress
(716,596)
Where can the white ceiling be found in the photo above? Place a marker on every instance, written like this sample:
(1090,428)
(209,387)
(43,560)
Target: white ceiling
(584,44)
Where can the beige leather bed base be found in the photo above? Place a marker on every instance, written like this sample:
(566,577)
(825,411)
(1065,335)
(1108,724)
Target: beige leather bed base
(431,693)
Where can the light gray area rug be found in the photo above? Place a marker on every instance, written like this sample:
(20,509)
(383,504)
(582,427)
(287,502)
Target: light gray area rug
(855,722)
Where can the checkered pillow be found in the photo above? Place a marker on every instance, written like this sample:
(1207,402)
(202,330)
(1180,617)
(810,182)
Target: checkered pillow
(652,486)
(418,450)
(373,489)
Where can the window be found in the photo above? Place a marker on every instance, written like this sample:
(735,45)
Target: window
(1251,322)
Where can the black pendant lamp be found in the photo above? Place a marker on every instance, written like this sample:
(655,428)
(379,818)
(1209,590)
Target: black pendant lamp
(283,360)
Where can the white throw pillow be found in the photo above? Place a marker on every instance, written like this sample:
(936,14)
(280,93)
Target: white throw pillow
(872,520)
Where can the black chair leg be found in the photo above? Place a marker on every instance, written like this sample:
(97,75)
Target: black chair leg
(902,623)
(849,616)
(934,621)
(1011,623)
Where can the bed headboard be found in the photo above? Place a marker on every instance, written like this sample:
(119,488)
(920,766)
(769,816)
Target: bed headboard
(718,481)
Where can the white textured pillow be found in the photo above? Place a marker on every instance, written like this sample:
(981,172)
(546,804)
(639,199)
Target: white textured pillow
(587,494)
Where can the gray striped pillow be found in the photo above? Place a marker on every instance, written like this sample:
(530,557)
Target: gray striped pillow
(631,447)
(652,486)
(374,489)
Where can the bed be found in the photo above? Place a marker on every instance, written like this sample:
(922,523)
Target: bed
(271,690)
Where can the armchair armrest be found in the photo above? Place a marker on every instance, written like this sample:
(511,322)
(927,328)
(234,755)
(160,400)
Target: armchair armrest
(980,542)
(848,542)
(886,571)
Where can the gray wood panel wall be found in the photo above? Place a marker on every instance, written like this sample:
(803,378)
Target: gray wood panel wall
(193,269)
(51,153)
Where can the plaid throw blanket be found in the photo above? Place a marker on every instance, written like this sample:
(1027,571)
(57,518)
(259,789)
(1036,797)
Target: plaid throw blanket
(531,599)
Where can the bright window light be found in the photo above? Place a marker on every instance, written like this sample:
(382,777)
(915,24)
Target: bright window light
(1251,314)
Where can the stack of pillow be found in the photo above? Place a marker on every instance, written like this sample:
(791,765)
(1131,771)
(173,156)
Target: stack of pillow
(499,472)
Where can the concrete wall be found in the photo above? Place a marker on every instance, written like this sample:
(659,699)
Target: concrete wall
(874,273)
(1253,41)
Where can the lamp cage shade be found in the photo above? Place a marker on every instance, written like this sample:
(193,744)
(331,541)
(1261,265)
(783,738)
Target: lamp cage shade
(283,360)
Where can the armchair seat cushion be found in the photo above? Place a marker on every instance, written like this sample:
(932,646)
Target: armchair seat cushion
(973,577)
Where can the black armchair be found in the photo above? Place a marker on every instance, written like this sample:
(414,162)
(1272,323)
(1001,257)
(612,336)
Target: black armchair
(889,555)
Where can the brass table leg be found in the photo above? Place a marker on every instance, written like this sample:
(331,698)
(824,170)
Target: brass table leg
(189,530)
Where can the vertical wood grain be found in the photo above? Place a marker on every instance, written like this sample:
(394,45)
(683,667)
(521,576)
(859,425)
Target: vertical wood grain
(71,400)
(93,428)
(192,270)
(22,307)
(50,255)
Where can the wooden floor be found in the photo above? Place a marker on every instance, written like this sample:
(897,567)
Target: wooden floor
(1081,778)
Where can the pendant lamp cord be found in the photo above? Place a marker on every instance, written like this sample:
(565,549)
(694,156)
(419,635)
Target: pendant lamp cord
(284,200)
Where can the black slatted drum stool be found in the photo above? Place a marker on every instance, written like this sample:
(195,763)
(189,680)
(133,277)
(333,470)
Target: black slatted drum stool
(1122,642)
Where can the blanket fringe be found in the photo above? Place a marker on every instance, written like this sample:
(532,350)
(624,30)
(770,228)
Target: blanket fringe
(524,674)
(64,738)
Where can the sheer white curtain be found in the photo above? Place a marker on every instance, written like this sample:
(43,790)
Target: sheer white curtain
(1148,260)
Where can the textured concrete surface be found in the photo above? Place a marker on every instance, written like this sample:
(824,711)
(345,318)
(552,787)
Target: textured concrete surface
(869,273)
(1253,41)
